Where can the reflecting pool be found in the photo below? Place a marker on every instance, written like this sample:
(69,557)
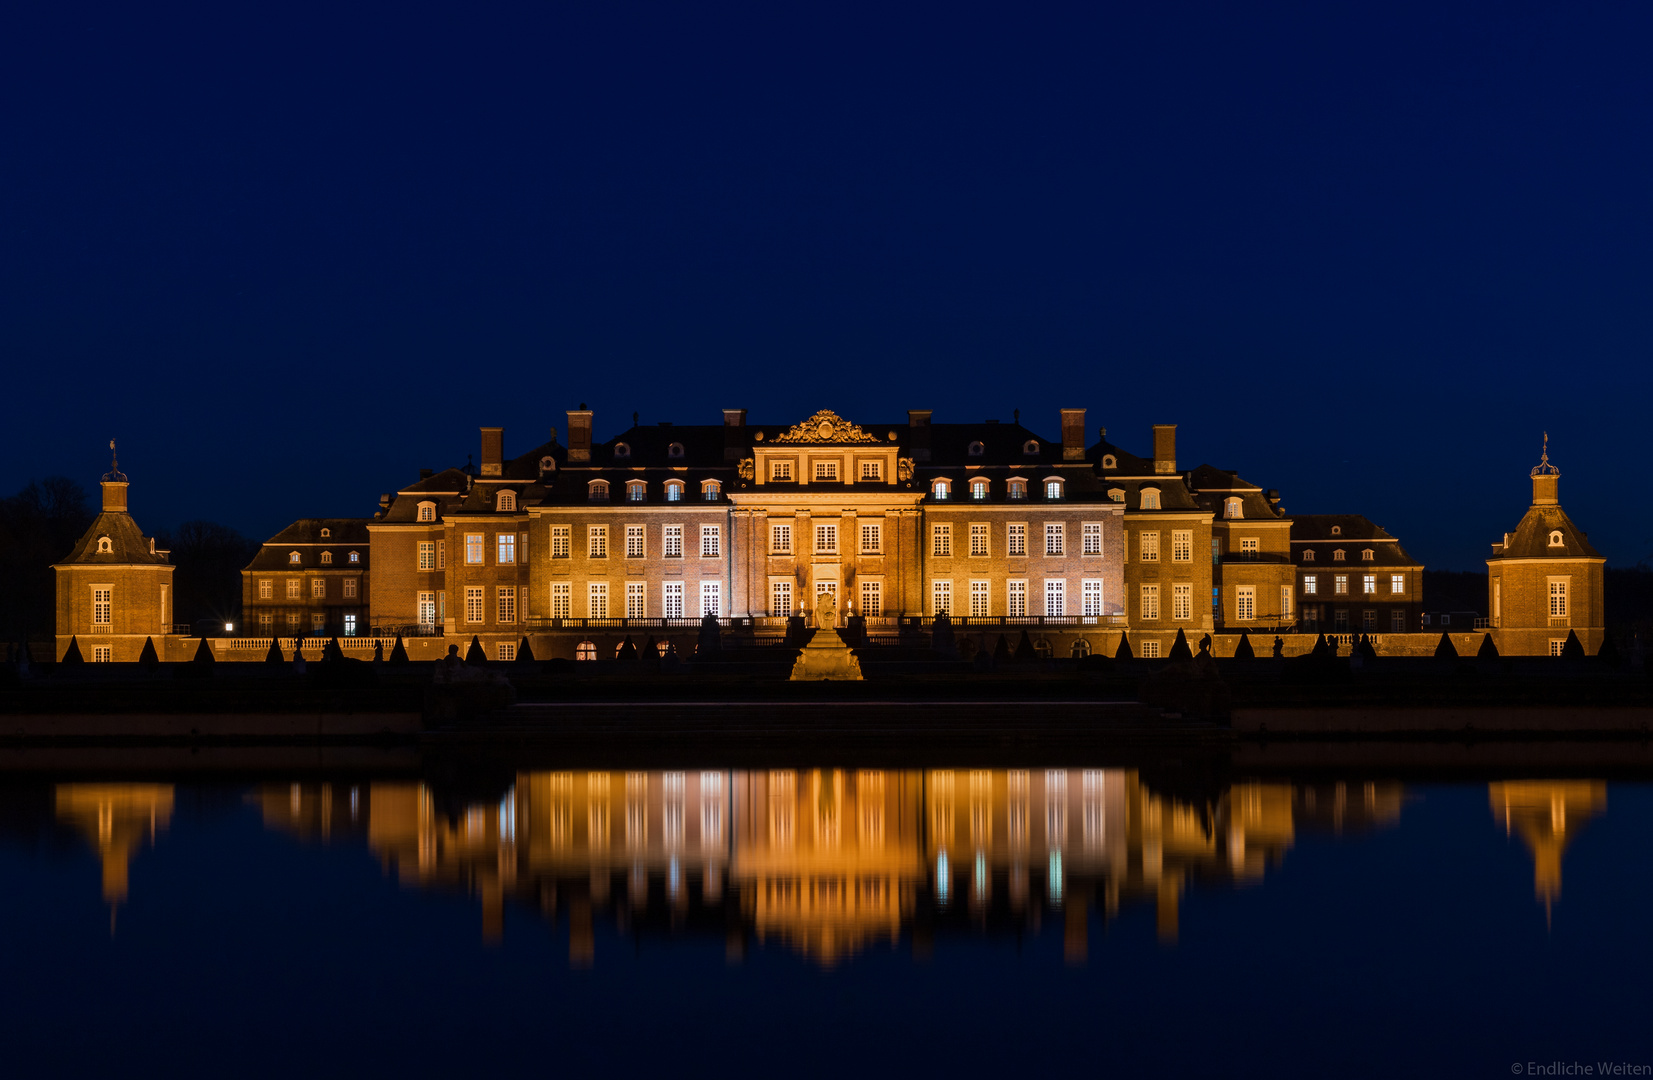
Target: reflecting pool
(814,920)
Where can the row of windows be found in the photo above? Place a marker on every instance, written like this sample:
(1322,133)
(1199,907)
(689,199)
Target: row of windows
(1182,546)
(1366,555)
(1182,602)
(1340,584)
(941,539)
(1368,620)
(295,622)
(981,489)
(103,605)
(295,588)
(638,491)
(672,602)
(1016,597)
(825,471)
(294,559)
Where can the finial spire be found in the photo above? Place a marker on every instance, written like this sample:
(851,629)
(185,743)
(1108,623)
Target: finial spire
(114,475)
(1544,468)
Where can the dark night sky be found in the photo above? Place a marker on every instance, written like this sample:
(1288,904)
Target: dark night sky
(288,254)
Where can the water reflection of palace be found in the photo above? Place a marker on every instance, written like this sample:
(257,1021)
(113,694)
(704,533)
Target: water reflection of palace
(119,819)
(1547,814)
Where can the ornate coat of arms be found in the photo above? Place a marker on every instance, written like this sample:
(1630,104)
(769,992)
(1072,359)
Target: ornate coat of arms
(826,426)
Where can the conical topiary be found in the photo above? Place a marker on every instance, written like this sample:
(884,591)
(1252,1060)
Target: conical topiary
(274,655)
(71,655)
(1001,651)
(1180,649)
(149,658)
(525,651)
(203,654)
(399,652)
(628,649)
(1124,651)
(1446,650)
(474,655)
(1024,648)
(332,650)
(1321,648)
(1609,651)
(1574,648)
(1488,650)
(1243,650)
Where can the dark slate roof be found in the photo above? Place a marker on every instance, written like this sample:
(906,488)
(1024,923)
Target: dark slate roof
(1356,534)
(1531,538)
(1313,528)
(448,480)
(1125,462)
(304,536)
(128,544)
(1213,487)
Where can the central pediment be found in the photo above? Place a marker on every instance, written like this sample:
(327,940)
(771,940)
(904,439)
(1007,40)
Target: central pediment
(825,427)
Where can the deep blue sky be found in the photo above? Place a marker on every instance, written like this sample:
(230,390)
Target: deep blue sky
(289,254)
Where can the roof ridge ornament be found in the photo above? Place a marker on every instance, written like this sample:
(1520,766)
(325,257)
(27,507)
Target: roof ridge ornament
(1544,468)
(826,426)
(114,475)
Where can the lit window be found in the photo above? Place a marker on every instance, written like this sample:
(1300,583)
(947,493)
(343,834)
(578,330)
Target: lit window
(1558,598)
(561,595)
(265,589)
(711,491)
(780,470)
(978,538)
(636,600)
(1397,583)
(1016,489)
(318,588)
(473,549)
(1090,597)
(356,557)
(979,490)
(1016,598)
(1148,545)
(597,599)
(980,596)
(1248,546)
(507,604)
(1311,585)
(872,598)
(1340,584)
(870,470)
(674,491)
(1182,601)
(507,548)
(634,541)
(292,558)
(1245,603)
(1092,538)
(711,542)
(586,650)
(1150,602)
(506,501)
(427,511)
(1182,546)
(102,607)
(294,586)
(1053,489)
(939,490)
(826,539)
(597,542)
(711,598)
(1055,538)
(427,554)
(780,598)
(1231,508)
(941,597)
(872,537)
(473,604)
(636,490)
(1150,498)
(1056,597)
(826,470)
(598,491)
(671,599)
(1016,538)
(780,537)
(941,540)
(559,541)
(350,588)
(506,650)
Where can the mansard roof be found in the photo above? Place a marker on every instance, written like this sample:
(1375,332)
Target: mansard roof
(1531,538)
(1355,533)
(304,536)
(1125,462)
(445,482)
(1213,487)
(127,544)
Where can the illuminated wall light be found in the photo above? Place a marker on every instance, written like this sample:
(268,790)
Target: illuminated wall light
(942,879)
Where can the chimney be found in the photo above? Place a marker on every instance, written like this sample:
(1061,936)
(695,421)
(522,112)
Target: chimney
(734,433)
(579,435)
(918,420)
(1073,434)
(493,451)
(1165,449)
(114,496)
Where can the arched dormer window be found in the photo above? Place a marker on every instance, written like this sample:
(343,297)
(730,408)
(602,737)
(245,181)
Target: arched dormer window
(978,490)
(636,490)
(1337,530)
(1337,556)
(1030,447)
(1556,539)
(1116,495)
(507,501)
(675,450)
(1368,555)
(1150,498)
(597,491)
(548,464)
(1231,508)
(327,558)
(622,450)
(940,490)
(355,557)
(1308,554)
(325,533)
(292,557)
(105,546)
(711,490)
(1015,488)
(978,448)
(1109,461)
(1053,487)
(427,511)
(674,491)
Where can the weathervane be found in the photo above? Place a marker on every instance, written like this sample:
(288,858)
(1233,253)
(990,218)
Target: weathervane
(114,473)
(1544,468)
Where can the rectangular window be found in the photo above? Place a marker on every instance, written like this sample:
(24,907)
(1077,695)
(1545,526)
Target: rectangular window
(672,597)
(1056,597)
(1311,585)
(980,597)
(711,541)
(506,650)
(507,548)
(941,597)
(1368,620)
(318,622)
(1369,584)
(780,538)
(506,606)
(636,600)
(872,598)
(711,598)
(634,541)
(427,555)
(1090,593)
(293,619)
(561,599)
(826,539)
(266,588)
(1016,598)
(672,537)
(978,538)
(1150,602)
(1557,646)
(780,470)
(941,540)
(441,554)
(1397,584)
(1092,534)
(1340,585)
(1285,603)
(473,548)
(869,470)
(780,598)
(102,607)
(266,622)
(1245,603)
(350,588)
(596,545)
(1397,620)
(1148,545)
(1558,598)
(473,604)
(1016,538)
(1340,620)
(1150,650)
(1182,546)
(102,654)
(427,609)
(559,542)
(826,470)
(318,588)
(1248,546)
(597,599)
(1182,601)
(872,537)
(293,587)
(1055,538)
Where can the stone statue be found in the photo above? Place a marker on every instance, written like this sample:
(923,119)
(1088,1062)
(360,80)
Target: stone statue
(747,468)
(904,469)
(826,610)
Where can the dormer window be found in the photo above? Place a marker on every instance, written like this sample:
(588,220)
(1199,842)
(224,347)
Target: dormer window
(1308,554)
(1337,530)
(1030,447)
(1556,539)
(548,464)
(675,450)
(1015,488)
(940,490)
(826,470)
(674,491)
(780,470)
(327,558)
(636,490)
(292,558)
(1150,498)
(622,450)
(978,448)
(597,491)
(1109,461)
(1368,555)
(1337,556)
(1053,488)
(507,501)
(978,490)
(871,470)
(325,533)
(105,546)
(427,511)
(1231,508)
(1116,495)
(711,491)
(355,557)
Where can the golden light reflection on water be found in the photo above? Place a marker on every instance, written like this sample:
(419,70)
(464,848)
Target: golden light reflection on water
(118,819)
(1547,814)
